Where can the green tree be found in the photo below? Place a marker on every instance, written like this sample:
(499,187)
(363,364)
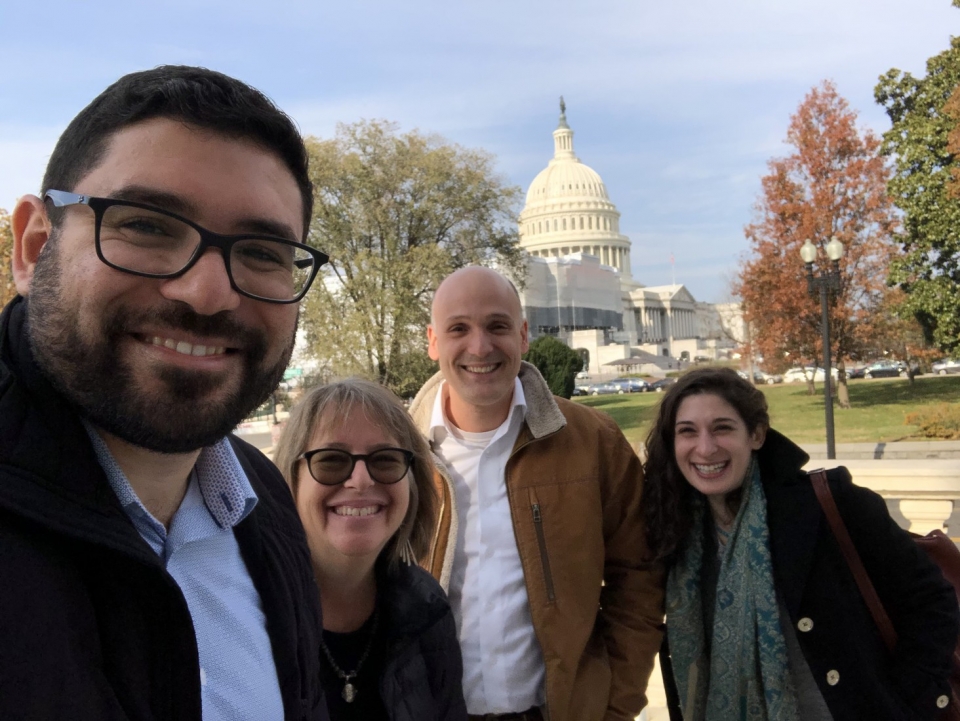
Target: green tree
(396,214)
(557,362)
(892,331)
(7,289)
(928,271)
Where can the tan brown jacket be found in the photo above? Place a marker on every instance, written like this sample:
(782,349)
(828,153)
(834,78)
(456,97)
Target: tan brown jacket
(575,487)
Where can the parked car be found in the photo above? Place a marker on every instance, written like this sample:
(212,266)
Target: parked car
(761,377)
(947,365)
(631,385)
(856,371)
(602,389)
(797,375)
(885,369)
(661,385)
(801,375)
(580,391)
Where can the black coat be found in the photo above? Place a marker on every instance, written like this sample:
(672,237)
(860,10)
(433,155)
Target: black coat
(838,636)
(422,675)
(91,625)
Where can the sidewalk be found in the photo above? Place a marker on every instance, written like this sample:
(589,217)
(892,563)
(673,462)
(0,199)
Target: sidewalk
(887,451)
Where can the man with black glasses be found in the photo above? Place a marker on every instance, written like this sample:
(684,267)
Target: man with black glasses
(153,566)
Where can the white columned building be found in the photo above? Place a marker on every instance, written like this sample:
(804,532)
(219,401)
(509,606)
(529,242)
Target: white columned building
(580,284)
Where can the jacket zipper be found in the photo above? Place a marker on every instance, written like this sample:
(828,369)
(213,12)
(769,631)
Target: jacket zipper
(544,559)
(435,544)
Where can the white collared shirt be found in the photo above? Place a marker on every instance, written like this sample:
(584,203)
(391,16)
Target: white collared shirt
(503,669)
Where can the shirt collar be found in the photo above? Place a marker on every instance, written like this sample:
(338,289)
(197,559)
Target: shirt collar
(226,490)
(440,425)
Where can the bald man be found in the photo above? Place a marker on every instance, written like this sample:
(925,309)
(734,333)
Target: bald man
(540,545)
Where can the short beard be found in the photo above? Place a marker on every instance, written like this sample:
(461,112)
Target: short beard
(94,377)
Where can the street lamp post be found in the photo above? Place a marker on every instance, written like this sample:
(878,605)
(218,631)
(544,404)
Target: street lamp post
(827,281)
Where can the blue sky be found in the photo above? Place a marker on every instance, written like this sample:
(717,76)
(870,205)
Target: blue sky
(678,106)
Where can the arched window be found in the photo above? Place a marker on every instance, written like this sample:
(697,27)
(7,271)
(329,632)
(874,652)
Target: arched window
(564,223)
(554,224)
(581,222)
(590,222)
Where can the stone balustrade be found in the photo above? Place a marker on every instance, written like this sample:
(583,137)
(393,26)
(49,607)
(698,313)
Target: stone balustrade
(921,493)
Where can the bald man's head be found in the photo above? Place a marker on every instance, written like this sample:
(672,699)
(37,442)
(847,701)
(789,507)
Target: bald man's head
(476,274)
(478,336)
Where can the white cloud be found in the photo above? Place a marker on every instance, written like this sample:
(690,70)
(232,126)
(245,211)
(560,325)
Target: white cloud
(677,105)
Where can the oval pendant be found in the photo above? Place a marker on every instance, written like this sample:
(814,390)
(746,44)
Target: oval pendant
(349,692)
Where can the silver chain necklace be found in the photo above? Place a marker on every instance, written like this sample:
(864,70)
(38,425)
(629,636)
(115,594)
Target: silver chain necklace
(349,692)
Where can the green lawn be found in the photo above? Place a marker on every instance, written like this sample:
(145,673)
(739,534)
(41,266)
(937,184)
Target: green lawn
(879,407)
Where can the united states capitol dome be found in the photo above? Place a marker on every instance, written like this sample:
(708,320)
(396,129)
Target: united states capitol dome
(568,209)
(565,180)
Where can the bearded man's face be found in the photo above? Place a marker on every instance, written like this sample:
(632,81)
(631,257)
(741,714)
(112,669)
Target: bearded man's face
(174,364)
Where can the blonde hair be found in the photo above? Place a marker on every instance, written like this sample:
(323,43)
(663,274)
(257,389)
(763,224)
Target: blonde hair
(325,406)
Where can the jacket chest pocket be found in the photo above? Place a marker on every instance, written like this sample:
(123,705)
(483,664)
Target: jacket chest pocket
(567,538)
(542,546)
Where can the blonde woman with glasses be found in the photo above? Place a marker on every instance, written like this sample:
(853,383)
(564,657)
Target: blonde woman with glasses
(362,479)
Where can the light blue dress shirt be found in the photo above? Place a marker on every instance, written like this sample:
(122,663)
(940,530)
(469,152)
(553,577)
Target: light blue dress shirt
(238,677)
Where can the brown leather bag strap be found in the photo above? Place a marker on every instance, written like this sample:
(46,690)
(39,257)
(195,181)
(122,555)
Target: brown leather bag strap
(819,480)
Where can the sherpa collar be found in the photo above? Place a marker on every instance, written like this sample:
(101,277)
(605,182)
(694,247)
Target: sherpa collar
(543,414)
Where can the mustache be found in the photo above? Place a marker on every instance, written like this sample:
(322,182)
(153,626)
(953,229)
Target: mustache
(182,317)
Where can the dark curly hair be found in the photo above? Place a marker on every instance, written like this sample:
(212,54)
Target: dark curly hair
(668,497)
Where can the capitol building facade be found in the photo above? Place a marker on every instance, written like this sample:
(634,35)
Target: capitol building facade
(580,286)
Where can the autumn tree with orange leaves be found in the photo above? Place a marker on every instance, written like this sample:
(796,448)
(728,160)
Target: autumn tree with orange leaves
(832,184)
(7,289)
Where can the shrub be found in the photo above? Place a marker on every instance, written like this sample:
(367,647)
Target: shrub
(939,421)
(557,362)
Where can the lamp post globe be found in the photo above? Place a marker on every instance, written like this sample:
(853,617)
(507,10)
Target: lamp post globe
(834,249)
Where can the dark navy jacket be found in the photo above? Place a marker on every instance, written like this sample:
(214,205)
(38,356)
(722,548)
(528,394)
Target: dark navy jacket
(422,676)
(857,676)
(91,625)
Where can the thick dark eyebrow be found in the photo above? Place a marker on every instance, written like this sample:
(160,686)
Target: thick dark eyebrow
(151,196)
(181,206)
(722,419)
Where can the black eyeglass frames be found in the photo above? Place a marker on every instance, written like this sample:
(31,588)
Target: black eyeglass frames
(151,242)
(333,466)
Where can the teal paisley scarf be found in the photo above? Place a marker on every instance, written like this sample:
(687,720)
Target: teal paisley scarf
(745,677)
